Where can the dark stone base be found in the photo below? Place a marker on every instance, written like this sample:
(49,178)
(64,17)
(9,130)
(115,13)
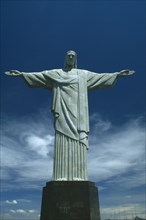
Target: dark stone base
(70,200)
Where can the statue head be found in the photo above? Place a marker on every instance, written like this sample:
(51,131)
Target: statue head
(70,60)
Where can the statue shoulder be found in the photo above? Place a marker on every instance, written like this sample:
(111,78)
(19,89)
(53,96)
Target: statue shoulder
(82,71)
(57,70)
(53,71)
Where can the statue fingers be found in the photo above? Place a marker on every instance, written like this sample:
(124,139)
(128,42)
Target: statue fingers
(131,72)
(8,73)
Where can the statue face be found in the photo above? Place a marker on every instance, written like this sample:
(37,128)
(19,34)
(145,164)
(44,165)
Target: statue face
(70,58)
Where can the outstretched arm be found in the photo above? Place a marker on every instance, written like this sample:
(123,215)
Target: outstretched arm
(127,72)
(105,80)
(13,73)
(35,79)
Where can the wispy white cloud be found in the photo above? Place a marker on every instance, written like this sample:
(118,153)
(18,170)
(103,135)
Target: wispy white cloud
(118,151)
(100,125)
(39,145)
(20,214)
(18,211)
(24,200)
(32,211)
(127,211)
(27,150)
(11,202)
(22,211)
(12,211)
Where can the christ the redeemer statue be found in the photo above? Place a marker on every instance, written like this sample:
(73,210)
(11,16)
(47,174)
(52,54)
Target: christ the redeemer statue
(70,109)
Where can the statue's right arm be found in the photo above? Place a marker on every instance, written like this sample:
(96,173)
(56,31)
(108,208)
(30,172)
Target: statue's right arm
(13,73)
(34,79)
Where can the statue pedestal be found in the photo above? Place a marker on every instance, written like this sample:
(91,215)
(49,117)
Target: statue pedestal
(70,200)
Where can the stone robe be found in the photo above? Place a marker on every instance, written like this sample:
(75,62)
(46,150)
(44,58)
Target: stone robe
(70,109)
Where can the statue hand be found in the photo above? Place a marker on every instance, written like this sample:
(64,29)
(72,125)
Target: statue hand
(126,72)
(13,73)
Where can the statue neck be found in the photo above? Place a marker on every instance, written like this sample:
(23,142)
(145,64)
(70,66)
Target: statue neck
(68,68)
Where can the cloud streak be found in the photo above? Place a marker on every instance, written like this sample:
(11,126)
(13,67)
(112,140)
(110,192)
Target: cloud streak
(117,151)
(27,150)
(127,211)
(11,202)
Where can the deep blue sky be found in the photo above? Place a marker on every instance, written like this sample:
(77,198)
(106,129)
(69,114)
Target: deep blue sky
(108,36)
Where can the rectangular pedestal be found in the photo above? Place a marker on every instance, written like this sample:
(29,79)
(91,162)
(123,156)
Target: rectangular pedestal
(70,200)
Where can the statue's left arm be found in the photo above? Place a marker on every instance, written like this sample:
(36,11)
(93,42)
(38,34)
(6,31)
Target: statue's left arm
(105,80)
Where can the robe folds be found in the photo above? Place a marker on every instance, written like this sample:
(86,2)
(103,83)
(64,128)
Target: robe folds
(70,109)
